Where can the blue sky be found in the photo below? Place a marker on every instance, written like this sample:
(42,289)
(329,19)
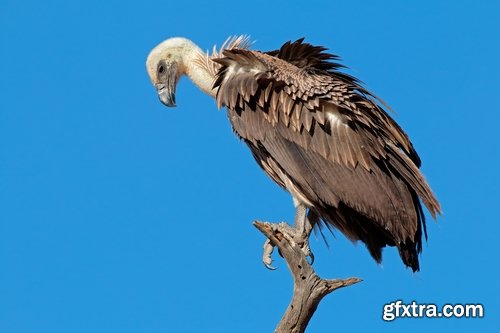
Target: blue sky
(119,215)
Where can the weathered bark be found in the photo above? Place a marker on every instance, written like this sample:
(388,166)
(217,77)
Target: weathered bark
(308,288)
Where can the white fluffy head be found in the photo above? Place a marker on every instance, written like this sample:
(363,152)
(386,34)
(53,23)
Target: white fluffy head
(171,50)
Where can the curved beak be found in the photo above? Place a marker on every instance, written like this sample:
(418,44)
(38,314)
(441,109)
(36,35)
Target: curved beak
(166,93)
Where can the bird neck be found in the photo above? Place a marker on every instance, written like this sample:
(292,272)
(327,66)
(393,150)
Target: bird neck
(196,68)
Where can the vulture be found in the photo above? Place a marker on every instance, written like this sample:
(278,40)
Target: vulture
(316,132)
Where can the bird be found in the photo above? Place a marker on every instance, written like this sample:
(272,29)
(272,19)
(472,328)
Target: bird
(318,133)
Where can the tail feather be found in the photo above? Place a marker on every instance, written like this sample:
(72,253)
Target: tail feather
(358,227)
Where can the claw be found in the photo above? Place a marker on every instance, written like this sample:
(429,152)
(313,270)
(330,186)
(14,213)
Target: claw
(269,266)
(299,234)
(266,256)
(307,252)
(311,258)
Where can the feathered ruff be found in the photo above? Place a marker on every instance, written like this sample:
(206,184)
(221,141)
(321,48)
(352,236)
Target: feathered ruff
(204,60)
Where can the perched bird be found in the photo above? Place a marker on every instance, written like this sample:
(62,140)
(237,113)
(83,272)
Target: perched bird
(318,133)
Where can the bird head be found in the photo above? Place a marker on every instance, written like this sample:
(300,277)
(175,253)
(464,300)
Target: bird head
(165,66)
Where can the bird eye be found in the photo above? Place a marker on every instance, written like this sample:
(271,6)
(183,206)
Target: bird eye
(161,69)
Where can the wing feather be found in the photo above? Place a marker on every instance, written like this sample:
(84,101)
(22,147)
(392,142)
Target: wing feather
(323,137)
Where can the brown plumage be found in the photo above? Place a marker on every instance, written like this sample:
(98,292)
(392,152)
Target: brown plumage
(320,135)
(316,132)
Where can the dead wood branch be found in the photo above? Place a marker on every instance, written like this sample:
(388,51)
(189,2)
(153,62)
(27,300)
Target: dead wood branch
(308,288)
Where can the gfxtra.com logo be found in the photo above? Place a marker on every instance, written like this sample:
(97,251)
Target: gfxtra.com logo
(398,309)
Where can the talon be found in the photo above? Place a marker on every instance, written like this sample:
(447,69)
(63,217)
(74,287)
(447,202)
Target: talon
(307,252)
(297,235)
(266,256)
(311,258)
(269,266)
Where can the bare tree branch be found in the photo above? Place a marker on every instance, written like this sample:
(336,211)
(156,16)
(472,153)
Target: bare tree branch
(308,288)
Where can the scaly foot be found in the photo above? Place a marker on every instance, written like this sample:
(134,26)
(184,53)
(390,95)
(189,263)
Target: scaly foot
(291,234)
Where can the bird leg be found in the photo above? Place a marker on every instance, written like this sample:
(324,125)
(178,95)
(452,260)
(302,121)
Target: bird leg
(299,234)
